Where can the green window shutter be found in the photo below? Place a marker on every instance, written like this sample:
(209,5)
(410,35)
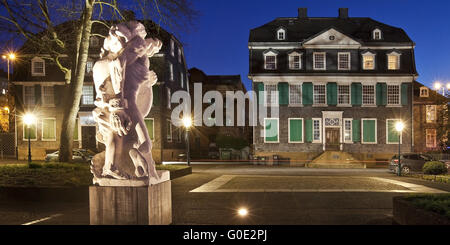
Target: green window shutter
(271,130)
(356,94)
(332,93)
(381,93)
(392,136)
(369,131)
(156,95)
(32,130)
(48,129)
(405,93)
(259,87)
(356,130)
(149,125)
(307,93)
(308,130)
(283,93)
(295,130)
(75,130)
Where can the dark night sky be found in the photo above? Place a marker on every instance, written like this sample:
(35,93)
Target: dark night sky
(218,43)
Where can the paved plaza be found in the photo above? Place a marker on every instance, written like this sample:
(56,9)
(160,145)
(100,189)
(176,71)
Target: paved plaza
(212,194)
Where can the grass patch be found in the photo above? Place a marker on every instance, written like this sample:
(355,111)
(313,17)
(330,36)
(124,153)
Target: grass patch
(53,174)
(438,203)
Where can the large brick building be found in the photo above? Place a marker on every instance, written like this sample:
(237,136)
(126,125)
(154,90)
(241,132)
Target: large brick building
(39,88)
(341,84)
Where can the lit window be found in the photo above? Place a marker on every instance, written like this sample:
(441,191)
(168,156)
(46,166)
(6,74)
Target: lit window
(270,62)
(37,67)
(295,94)
(149,123)
(316,130)
(48,96)
(28,95)
(344,61)
(376,34)
(423,92)
(368,61)
(393,97)
(294,61)
(430,138)
(49,129)
(393,61)
(319,61)
(319,94)
(348,130)
(32,131)
(344,94)
(431,113)
(271,94)
(368,94)
(281,34)
(87,97)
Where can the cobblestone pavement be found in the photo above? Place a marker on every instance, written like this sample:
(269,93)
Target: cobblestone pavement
(321,197)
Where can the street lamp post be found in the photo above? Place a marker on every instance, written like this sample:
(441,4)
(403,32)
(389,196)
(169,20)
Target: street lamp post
(29,119)
(399,127)
(187,124)
(8,57)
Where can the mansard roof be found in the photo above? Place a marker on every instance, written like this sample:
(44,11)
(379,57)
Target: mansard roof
(303,29)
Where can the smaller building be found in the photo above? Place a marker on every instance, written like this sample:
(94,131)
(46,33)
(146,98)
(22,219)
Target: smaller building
(430,110)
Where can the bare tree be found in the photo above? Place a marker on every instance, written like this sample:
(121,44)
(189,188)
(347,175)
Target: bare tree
(60,31)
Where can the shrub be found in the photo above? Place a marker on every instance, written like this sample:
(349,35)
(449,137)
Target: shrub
(34,165)
(224,141)
(434,167)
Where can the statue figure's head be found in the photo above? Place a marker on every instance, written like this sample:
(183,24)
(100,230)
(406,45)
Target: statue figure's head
(122,33)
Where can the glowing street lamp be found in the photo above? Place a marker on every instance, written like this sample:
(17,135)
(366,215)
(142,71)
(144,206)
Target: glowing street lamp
(243,212)
(399,126)
(8,57)
(29,119)
(187,122)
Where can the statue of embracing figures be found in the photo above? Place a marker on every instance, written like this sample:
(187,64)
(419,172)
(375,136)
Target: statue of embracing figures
(123,83)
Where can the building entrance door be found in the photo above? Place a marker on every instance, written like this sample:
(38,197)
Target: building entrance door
(332,139)
(88,140)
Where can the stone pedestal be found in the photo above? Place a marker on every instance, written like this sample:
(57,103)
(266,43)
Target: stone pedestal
(122,205)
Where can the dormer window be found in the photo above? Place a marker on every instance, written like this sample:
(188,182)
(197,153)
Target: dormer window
(423,91)
(295,61)
(270,60)
(37,67)
(368,60)
(393,60)
(376,34)
(281,34)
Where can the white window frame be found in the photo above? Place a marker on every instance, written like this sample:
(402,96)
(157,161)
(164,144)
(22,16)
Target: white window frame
(301,90)
(33,63)
(291,61)
(423,88)
(362,131)
(276,102)
(172,47)
(399,95)
(34,95)
(278,130)
(367,54)
(427,145)
(43,96)
(89,70)
(325,95)
(24,128)
(351,130)
(281,31)
(171,71)
(153,129)
(42,129)
(289,129)
(169,123)
(349,95)
(374,96)
(320,130)
(181,79)
(396,54)
(374,36)
(270,53)
(82,94)
(426,113)
(324,61)
(349,61)
(387,132)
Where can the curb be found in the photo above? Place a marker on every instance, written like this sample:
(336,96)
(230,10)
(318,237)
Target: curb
(180,173)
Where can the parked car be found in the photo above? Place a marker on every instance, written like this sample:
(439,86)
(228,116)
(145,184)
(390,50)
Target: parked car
(410,162)
(78,155)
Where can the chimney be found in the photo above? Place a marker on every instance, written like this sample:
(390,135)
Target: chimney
(302,14)
(343,13)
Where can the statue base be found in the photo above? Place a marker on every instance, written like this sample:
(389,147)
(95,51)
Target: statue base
(131,205)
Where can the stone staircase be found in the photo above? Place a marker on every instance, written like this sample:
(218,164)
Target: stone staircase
(335,159)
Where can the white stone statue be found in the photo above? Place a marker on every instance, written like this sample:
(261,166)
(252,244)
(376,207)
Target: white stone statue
(123,83)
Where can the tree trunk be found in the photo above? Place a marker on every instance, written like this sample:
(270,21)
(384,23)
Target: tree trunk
(74,90)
